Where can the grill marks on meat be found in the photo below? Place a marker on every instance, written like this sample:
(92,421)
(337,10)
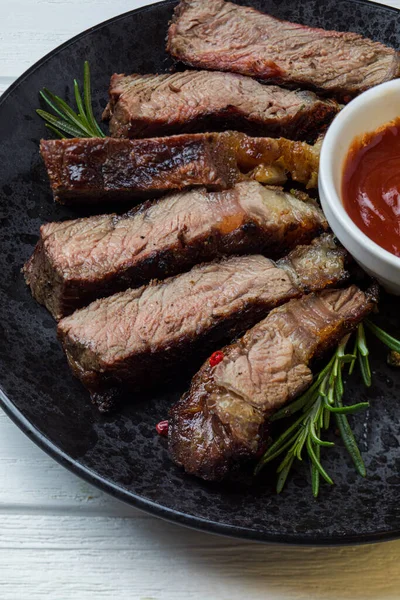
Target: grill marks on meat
(126,337)
(218,35)
(147,105)
(95,169)
(78,261)
(112,169)
(222,419)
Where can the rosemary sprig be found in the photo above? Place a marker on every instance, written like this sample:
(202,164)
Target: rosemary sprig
(66,122)
(316,406)
(384,337)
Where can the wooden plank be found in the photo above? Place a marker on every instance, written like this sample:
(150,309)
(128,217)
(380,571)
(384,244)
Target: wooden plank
(30,29)
(77,558)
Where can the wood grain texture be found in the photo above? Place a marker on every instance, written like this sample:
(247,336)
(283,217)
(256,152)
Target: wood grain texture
(62,539)
(29,29)
(64,557)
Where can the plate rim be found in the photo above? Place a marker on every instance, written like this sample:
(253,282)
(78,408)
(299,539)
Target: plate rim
(119,492)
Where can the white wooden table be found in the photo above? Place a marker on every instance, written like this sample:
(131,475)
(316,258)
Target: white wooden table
(62,539)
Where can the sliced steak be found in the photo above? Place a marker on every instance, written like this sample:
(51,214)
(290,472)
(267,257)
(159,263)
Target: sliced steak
(78,261)
(136,336)
(95,169)
(112,169)
(218,35)
(221,420)
(151,105)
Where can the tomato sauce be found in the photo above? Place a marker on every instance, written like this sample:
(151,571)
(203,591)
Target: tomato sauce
(371,185)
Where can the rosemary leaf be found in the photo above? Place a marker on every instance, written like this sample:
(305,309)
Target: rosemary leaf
(387,339)
(295,406)
(79,105)
(350,443)
(54,130)
(365,370)
(342,347)
(353,360)
(268,456)
(361,341)
(59,123)
(285,461)
(48,101)
(322,387)
(278,443)
(87,97)
(327,419)
(315,475)
(316,439)
(347,410)
(316,462)
(347,358)
(280,484)
(339,388)
(300,443)
(69,114)
(330,395)
(334,370)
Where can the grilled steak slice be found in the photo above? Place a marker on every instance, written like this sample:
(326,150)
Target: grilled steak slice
(136,336)
(218,35)
(148,105)
(78,261)
(96,169)
(108,168)
(221,420)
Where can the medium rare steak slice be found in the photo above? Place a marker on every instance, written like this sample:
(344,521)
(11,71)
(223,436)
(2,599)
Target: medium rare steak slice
(221,420)
(137,336)
(78,261)
(148,105)
(218,35)
(95,169)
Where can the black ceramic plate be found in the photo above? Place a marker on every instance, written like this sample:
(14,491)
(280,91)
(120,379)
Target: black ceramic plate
(122,454)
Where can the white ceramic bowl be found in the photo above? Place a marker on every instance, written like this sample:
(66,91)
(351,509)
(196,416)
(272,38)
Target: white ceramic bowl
(366,113)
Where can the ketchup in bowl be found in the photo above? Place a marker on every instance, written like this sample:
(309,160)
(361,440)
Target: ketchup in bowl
(371,185)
